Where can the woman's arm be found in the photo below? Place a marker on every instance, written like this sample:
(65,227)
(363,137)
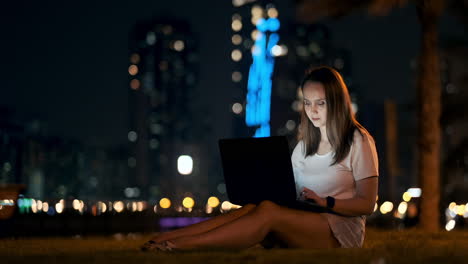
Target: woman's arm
(361,204)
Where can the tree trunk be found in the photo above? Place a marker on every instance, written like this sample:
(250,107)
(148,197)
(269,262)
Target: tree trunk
(429,90)
(391,147)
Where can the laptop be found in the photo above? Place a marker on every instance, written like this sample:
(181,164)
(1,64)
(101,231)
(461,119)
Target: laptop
(257,169)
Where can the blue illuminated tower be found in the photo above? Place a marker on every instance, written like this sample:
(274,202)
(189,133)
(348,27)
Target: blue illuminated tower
(260,74)
(255,45)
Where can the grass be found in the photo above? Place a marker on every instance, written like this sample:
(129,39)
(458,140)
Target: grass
(381,247)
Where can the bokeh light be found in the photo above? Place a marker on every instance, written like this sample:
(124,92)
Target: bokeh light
(45,207)
(237,108)
(461,209)
(452,205)
(154,143)
(402,207)
(236,39)
(208,209)
(257,11)
(412,210)
(141,206)
(133,70)
(188,202)
(60,206)
(135,84)
(226,206)
(135,58)
(414,192)
(255,34)
(272,12)
(150,38)
(236,76)
(76,204)
(236,55)
(118,206)
(213,201)
(386,207)
(33,206)
(179,45)
(450,225)
(185,164)
(406,197)
(290,125)
(236,25)
(101,207)
(165,203)
(276,51)
(132,136)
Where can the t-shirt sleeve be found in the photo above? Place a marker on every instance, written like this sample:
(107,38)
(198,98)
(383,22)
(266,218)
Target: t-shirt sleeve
(297,156)
(364,160)
(297,161)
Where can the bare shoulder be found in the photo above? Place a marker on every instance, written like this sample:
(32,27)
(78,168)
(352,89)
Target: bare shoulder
(362,135)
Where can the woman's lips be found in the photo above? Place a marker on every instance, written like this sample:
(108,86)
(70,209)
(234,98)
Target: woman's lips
(315,119)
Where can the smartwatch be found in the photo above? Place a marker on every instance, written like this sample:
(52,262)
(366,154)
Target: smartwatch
(330,202)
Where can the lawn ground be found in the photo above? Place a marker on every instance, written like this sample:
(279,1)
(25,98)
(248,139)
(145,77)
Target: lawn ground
(381,247)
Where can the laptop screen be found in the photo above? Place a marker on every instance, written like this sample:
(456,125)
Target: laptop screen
(257,169)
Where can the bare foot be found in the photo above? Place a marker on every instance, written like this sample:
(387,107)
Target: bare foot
(165,246)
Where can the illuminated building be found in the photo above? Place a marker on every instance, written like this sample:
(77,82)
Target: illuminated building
(11,147)
(255,37)
(162,75)
(269,60)
(29,156)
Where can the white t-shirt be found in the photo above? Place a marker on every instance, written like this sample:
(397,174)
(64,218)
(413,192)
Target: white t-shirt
(339,180)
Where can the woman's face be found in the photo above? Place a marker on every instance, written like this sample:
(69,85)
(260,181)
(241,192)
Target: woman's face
(315,104)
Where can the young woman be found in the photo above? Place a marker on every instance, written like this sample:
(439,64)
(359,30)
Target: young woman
(335,163)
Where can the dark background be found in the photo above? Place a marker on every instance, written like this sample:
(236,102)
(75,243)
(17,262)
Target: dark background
(66,62)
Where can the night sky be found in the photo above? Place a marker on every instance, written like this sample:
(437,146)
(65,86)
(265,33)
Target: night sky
(66,62)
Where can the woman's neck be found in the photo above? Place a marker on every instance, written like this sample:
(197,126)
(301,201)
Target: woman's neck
(323,134)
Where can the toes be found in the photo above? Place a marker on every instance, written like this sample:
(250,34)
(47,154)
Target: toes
(148,245)
(162,246)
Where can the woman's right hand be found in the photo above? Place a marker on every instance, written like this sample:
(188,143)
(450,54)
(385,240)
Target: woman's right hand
(308,194)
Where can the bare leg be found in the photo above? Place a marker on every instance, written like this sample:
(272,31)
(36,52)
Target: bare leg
(297,228)
(204,226)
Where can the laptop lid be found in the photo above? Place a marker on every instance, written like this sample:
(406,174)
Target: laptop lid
(257,169)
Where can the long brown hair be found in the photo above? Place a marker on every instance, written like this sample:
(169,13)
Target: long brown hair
(341,122)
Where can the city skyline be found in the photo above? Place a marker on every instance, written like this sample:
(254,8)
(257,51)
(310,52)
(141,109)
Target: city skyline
(68,66)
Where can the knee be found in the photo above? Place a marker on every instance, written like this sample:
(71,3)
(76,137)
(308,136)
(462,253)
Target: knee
(267,206)
(268,211)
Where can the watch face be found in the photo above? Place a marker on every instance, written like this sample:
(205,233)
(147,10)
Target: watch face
(330,202)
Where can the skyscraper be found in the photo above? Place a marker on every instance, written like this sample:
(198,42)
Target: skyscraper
(162,72)
(255,39)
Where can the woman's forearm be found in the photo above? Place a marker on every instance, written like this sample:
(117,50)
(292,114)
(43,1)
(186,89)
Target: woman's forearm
(351,207)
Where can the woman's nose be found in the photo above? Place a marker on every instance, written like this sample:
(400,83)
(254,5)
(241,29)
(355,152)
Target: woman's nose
(314,108)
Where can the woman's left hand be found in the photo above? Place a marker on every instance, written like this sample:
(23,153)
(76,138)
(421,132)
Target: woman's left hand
(309,194)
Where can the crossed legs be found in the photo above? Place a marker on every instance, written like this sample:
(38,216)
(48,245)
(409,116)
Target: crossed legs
(250,224)
(204,226)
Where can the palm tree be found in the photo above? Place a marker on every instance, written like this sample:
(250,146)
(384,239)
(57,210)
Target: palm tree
(428,86)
